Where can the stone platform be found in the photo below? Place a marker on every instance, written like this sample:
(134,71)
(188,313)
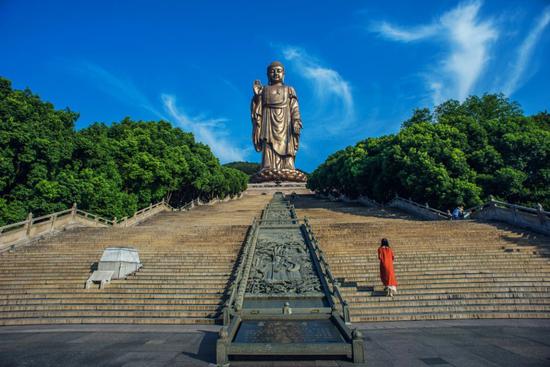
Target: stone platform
(269,188)
(420,343)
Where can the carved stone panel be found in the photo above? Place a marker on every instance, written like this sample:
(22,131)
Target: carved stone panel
(282,216)
(282,265)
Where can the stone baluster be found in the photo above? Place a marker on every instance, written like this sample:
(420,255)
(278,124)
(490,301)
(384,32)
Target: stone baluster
(540,213)
(28,225)
(53,218)
(73,212)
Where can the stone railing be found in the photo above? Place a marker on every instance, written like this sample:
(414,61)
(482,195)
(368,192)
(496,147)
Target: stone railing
(33,228)
(535,219)
(142,214)
(233,290)
(422,211)
(332,283)
(199,202)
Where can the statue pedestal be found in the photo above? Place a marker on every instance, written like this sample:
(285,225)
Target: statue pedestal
(282,175)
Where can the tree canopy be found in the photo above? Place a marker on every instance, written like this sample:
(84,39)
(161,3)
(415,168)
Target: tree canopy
(459,153)
(46,165)
(250,168)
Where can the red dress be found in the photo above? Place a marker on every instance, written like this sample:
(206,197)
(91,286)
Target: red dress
(387,274)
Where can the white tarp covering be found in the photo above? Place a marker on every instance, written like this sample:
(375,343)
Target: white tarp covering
(121,260)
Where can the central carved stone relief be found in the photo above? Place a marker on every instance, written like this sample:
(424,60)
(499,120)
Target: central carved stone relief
(282,265)
(278,215)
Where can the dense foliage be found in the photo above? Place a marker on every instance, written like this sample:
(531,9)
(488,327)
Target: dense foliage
(459,153)
(249,168)
(45,165)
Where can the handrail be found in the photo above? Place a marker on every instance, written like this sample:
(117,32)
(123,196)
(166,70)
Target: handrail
(48,216)
(86,214)
(426,206)
(24,232)
(241,289)
(34,220)
(240,267)
(13,225)
(327,272)
(82,213)
(492,202)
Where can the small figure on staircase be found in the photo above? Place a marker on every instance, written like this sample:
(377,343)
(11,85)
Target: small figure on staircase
(458,212)
(387,273)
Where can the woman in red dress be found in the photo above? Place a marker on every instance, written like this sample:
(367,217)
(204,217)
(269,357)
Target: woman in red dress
(387,274)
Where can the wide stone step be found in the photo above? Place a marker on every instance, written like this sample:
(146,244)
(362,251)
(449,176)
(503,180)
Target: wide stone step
(85,308)
(105,313)
(496,288)
(470,284)
(112,289)
(446,269)
(371,299)
(175,286)
(457,315)
(440,255)
(80,262)
(111,294)
(471,273)
(151,320)
(472,307)
(450,261)
(142,276)
(433,281)
(128,283)
(202,300)
(399,303)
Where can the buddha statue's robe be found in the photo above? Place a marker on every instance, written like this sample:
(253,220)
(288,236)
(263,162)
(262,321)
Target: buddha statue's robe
(276,126)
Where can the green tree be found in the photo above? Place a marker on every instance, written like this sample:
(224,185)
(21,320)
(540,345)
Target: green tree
(45,165)
(460,153)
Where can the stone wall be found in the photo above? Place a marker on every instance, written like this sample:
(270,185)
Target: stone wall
(421,211)
(538,222)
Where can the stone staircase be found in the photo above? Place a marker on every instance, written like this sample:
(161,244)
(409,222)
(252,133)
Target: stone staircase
(187,258)
(445,269)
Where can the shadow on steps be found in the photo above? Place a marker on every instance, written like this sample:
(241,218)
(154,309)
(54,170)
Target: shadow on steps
(303,201)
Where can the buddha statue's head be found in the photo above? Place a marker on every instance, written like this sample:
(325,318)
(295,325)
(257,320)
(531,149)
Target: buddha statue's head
(275,72)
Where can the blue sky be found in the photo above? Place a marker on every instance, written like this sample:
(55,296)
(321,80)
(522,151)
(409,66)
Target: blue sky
(359,68)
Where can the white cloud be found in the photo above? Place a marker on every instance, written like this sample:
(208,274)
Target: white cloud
(406,35)
(117,87)
(468,40)
(524,52)
(208,131)
(332,92)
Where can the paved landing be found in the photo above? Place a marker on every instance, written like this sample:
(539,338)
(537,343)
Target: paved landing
(421,343)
